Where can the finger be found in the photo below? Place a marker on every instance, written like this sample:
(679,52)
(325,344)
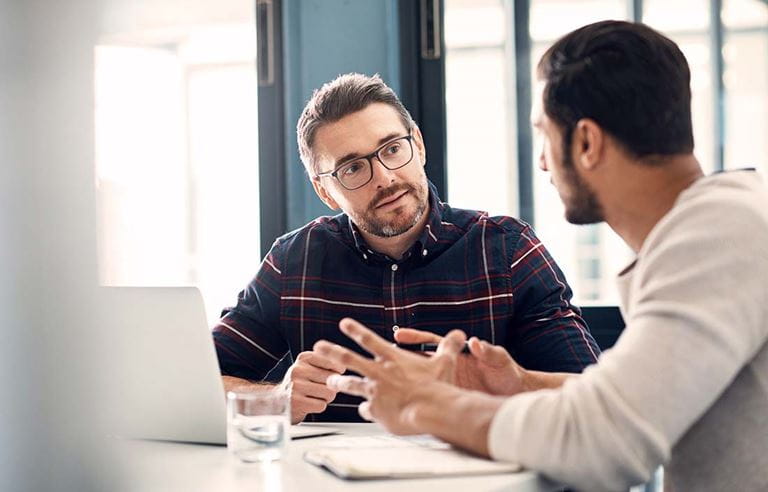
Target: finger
(311,373)
(352,385)
(475,347)
(409,335)
(321,361)
(492,355)
(301,404)
(314,390)
(367,339)
(452,343)
(346,357)
(364,409)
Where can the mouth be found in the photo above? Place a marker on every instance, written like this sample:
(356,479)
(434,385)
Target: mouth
(392,200)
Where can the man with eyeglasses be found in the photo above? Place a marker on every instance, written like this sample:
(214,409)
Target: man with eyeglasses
(396,259)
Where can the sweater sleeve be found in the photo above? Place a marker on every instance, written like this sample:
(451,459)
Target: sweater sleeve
(696,312)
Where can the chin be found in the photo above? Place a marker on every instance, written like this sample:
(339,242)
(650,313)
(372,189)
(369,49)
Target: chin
(583,217)
(400,225)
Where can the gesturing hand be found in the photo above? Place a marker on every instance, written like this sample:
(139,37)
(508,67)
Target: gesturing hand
(396,380)
(488,368)
(306,378)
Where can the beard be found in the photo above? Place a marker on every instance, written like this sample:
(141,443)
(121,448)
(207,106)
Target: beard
(582,206)
(405,219)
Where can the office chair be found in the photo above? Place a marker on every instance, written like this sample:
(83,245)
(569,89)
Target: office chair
(605,323)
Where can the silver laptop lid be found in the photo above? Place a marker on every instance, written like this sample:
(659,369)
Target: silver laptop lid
(167,380)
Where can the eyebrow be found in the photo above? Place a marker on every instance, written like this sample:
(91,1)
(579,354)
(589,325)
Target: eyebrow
(353,155)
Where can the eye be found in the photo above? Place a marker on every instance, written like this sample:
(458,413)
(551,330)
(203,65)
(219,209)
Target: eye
(392,148)
(352,168)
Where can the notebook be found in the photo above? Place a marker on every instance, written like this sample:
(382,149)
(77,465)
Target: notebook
(377,457)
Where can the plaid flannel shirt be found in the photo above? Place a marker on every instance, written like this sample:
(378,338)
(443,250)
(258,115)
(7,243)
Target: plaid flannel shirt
(488,276)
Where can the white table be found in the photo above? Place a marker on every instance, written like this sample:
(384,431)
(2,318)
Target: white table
(164,466)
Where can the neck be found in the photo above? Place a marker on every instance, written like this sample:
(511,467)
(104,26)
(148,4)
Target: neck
(396,246)
(638,199)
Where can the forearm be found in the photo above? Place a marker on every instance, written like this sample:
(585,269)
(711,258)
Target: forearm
(468,421)
(240,385)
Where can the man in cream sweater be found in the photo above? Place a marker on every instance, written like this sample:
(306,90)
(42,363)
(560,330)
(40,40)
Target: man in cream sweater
(686,385)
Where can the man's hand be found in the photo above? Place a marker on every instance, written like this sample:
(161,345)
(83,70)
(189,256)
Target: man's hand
(306,378)
(488,368)
(396,381)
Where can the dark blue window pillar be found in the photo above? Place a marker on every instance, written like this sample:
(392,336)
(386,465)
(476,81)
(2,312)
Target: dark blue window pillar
(321,40)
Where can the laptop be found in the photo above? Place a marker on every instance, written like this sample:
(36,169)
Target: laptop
(167,383)
(164,374)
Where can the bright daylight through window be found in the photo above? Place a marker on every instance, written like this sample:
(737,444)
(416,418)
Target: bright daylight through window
(176,149)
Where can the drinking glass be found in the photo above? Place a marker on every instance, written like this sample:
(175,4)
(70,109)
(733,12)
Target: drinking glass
(258,424)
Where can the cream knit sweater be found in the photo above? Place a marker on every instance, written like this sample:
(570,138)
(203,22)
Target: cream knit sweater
(686,385)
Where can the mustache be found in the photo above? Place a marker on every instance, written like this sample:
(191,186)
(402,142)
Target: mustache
(385,193)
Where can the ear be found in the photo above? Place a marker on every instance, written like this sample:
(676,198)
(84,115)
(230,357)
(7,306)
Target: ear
(418,140)
(324,195)
(588,144)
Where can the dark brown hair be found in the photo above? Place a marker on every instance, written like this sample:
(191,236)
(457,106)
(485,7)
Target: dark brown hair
(631,80)
(344,95)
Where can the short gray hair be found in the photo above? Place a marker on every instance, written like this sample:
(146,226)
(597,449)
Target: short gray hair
(342,96)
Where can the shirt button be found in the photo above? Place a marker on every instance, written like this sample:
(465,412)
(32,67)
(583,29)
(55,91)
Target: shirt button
(394,267)
(424,252)
(365,256)
(395,328)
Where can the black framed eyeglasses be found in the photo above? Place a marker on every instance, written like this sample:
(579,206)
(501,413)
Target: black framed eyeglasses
(358,172)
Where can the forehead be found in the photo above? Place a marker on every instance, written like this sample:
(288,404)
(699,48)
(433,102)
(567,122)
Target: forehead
(358,133)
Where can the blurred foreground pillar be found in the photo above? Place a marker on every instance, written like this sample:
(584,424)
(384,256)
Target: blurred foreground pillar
(51,383)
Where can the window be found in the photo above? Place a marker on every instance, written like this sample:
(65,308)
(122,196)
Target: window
(176,149)
(588,255)
(729,119)
(478,112)
(745,78)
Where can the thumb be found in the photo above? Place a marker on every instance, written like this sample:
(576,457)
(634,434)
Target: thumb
(492,355)
(452,343)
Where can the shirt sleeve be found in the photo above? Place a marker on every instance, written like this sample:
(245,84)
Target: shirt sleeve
(248,339)
(686,339)
(549,333)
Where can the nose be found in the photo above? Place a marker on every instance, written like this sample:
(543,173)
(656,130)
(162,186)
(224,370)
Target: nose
(542,161)
(382,177)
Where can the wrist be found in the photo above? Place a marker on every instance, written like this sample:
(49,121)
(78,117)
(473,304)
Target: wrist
(528,379)
(428,406)
(536,380)
(466,425)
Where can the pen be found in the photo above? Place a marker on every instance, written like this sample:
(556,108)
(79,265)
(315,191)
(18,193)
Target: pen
(426,347)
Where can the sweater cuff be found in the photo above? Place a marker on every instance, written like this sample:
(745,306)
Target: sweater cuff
(501,434)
